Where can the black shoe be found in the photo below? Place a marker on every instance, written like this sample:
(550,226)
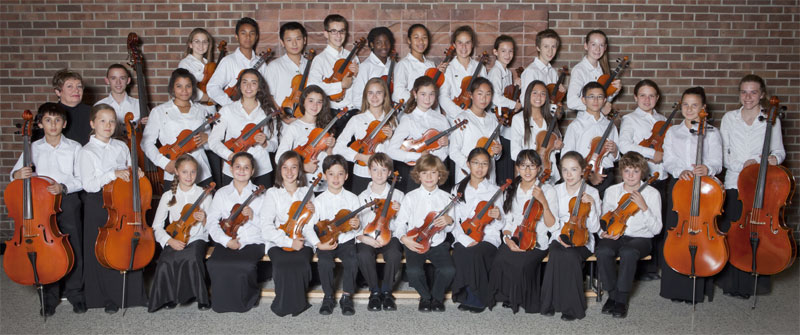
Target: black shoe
(48,311)
(424,305)
(347,305)
(463,308)
(388,302)
(549,313)
(506,304)
(476,310)
(437,306)
(620,310)
(567,317)
(111,308)
(374,302)
(649,276)
(203,307)
(79,307)
(170,305)
(328,304)
(608,306)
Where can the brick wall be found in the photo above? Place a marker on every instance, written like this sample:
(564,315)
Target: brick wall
(678,43)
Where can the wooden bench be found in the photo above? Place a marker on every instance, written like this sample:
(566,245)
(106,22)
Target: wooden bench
(594,288)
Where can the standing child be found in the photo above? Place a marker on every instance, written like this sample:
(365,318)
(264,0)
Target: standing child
(480,125)
(541,69)
(293,38)
(501,77)
(413,65)
(118,78)
(534,119)
(593,65)
(199,50)
(322,67)
(68,86)
(228,69)
(464,40)
(381,42)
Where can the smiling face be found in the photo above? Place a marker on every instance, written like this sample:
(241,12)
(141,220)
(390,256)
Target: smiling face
(313,104)
(71,93)
(547,49)
(293,41)
(429,179)
(504,53)
(418,41)
(464,44)
(631,176)
(249,86)
(595,47)
(381,46)
(571,171)
(182,89)
(425,97)
(481,97)
(646,98)
(335,176)
(691,104)
(117,80)
(290,170)
(242,169)
(199,43)
(479,166)
(750,95)
(187,173)
(104,124)
(335,34)
(375,95)
(538,96)
(527,170)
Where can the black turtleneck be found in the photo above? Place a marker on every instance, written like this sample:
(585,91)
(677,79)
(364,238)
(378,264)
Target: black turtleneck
(78,128)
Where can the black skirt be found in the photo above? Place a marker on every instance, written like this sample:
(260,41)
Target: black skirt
(180,276)
(472,272)
(504,167)
(103,286)
(234,284)
(291,271)
(515,278)
(562,287)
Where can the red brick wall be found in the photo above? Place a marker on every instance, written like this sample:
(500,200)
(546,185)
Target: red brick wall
(710,45)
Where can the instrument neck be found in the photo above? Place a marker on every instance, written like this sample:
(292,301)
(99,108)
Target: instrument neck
(194,206)
(306,198)
(578,198)
(352,214)
(758,202)
(141,89)
(696,181)
(324,131)
(27,194)
(388,202)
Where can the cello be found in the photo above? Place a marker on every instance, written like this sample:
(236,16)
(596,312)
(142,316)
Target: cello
(262,58)
(230,225)
(316,140)
(37,254)
(185,142)
(760,242)
(299,214)
(656,139)
(574,232)
(430,139)
(179,229)
(526,231)
(380,225)
(474,227)
(424,233)
(247,138)
(464,99)
(126,242)
(434,73)
(329,230)
(341,69)
(695,247)
(375,134)
(615,222)
(209,70)
(607,79)
(291,104)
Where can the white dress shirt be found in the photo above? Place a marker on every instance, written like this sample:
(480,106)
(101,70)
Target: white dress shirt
(326,205)
(406,72)
(227,73)
(635,127)
(538,70)
(464,139)
(451,88)
(281,72)
(582,74)
(275,212)
(167,123)
(356,129)
(183,198)
(466,210)
(58,162)
(415,207)
(501,77)
(742,142)
(128,105)
(322,67)
(518,142)
(372,67)
(412,126)
(296,134)
(583,130)
(224,200)
(562,217)
(643,223)
(517,214)
(197,68)
(98,162)
(232,120)
(368,214)
(680,150)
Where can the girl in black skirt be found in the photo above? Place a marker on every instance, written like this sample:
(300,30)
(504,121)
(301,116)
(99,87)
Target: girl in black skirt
(181,271)
(472,257)
(291,269)
(232,265)
(515,277)
(100,162)
(562,288)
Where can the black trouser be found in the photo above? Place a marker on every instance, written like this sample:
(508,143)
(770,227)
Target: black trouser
(69,223)
(347,253)
(651,266)
(215,163)
(630,250)
(392,256)
(443,276)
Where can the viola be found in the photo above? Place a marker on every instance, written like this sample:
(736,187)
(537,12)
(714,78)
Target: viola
(546,140)
(316,140)
(185,142)
(389,77)
(179,229)
(380,225)
(424,233)
(556,96)
(299,214)
(262,59)
(210,68)
(695,247)
(526,231)
(434,73)
(291,104)
(231,224)
(574,232)
(429,139)
(154,174)
(486,142)
(341,69)
(760,241)
(247,138)
(474,227)
(598,152)
(329,230)
(37,254)
(375,134)
(606,79)
(464,99)
(656,139)
(615,222)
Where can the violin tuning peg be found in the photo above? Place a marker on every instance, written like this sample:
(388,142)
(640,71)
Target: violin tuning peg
(761,118)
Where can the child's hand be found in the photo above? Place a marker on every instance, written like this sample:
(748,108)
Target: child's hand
(200,216)
(386,130)
(494,213)
(233,244)
(328,246)
(395,206)
(248,212)
(23,173)
(200,139)
(311,166)
(170,168)
(355,222)
(260,138)
(297,243)
(411,245)
(175,244)
(123,174)
(54,189)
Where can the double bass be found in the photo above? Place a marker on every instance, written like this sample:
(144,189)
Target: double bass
(209,70)
(375,134)
(37,254)
(299,214)
(385,213)
(291,104)
(760,241)
(475,226)
(615,222)
(526,231)
(464,99)
(424,233)
(434,73)
(341,69)
(574,232)
(179,229)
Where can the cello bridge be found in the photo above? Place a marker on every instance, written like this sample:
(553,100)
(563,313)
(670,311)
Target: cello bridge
(134,223)
(27,236)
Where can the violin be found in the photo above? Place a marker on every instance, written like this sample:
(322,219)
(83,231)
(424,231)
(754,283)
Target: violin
(329,230)
(430,139)
(299,214)
(598,152)
(760,241)
(247,138)
(474,227)
(37,254)
(389,78)
(424,233)
(341,69)
(504,115)
(291,104)
(262,59)
(179,229)
(210,68)
(574,232)
(316,140)
(185,142)
(231,224)
(615,222)
(464,99)
(526,231)
(607,79)
(656,139)
(154,174)
(375,134)
(511,92)
(695,247)
(556,96)
(486,142)
(434,73)
(380,225)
